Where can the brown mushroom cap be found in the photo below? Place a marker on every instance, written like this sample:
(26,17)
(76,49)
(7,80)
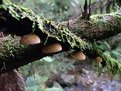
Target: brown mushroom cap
(78,55)
(52,48)
(30,39)
(98,59)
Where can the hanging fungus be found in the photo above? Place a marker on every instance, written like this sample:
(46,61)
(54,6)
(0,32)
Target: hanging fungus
(52,48)
(30,39)
(98,59)
(77,55)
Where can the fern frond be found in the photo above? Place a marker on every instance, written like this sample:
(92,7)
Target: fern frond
(32,81)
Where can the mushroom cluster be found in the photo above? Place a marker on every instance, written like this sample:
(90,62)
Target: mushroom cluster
(32,39)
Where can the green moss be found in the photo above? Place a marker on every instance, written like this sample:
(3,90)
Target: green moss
(111,64)
(11,47)
(60,33)
(104,21)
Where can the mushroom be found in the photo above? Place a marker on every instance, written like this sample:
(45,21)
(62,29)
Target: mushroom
(30,39)
(77,55)
(98,59)
(52,48)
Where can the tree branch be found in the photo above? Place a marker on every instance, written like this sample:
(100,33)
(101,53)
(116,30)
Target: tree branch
(99,27)
(20,21)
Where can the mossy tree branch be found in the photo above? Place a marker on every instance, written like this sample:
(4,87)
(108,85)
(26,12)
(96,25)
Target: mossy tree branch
(98,27)
(21,21)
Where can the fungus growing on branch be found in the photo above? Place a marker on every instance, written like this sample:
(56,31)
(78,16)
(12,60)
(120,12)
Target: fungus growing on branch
(98,59)
(30,39)
(52,48)
(77,55)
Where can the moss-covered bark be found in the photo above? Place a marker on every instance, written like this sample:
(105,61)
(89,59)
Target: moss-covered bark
(98,27)
(21,21)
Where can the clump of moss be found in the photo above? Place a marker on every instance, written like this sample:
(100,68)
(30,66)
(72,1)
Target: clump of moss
(11,47)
